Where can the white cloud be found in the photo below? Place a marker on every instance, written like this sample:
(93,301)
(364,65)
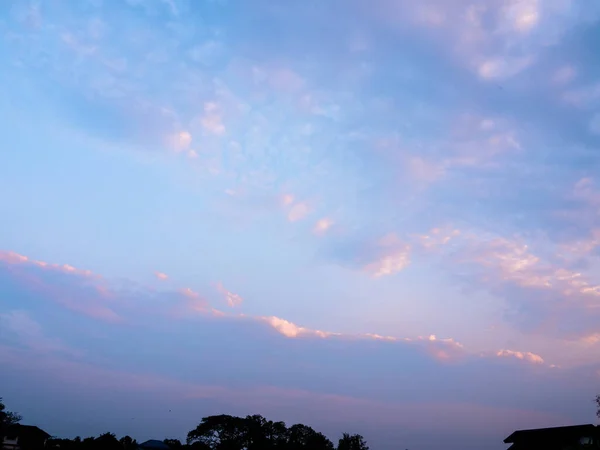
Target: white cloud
(523,15)
(503,67)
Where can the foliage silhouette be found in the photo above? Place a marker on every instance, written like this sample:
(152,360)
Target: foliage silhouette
(352,442)
(7,418)
(128,443)
(226,432)
(597,401)
(174,444)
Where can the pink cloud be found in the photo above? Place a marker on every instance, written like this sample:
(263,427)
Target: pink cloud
(287,199)
(436,238)
(97,306)
(30,333)
(439,348)
(92,304)
(189,293)
(591,339)
(291,330)
(298,212)
(513,261)
(15,258)
(525,356)
(212,119)
(392,255)
(180,141)
(161,276)
(322,226)
(232,299)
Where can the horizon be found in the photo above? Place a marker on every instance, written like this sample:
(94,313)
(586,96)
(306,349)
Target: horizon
(376,217)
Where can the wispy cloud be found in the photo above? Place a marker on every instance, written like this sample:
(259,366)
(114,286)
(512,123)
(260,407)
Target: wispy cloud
(298,211)
(212,120)
(526,356)
(30,333)
(390,255)
(232,299)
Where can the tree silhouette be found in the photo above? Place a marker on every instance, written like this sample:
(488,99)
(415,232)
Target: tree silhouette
(128,443)
(7,418)
(597,401)
(352,442)
(107,441)
(174,444)
(226,432)
(304,437)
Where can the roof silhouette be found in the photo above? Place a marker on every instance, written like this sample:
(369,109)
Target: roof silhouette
(543,437)
(19,430)
(154,444)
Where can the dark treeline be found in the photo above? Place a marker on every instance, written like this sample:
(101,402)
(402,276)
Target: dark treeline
(225,432)
(222,432)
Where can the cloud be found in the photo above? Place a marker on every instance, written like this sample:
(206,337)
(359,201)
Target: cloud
(190,293)
(390,254)
(37,276)
(211,120)
(322,226)
(161,276)
(30,333)
(15,258)
(181,141)
(291,330)
(564,75)
(298,212)
(550,299)
(187,303)
(282,79)
(526,356)
(437,237)
(500,68)
(232,299)
(287,199)
(524,15)
(197,356)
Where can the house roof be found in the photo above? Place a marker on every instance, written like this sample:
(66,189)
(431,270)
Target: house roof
(19,431)
(550,434)
(154,445)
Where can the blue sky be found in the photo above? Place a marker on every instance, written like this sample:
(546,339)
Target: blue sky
(377,217)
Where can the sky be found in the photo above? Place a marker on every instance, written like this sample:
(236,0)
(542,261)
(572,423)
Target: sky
(375,217)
